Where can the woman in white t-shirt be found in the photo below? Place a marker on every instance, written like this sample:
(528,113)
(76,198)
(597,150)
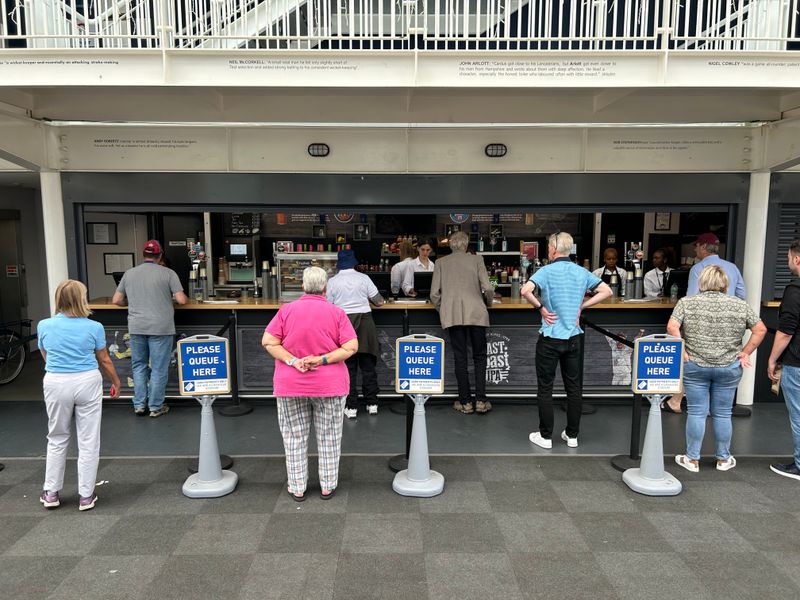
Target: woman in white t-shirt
(398,273)
(420,264)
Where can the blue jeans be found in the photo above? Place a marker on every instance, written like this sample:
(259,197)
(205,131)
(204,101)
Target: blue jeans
(710,388)
(790,384)
(150,355)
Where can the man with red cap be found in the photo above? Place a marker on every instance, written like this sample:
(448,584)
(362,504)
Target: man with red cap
(706,247)
(148,290)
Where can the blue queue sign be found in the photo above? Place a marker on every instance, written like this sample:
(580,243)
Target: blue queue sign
(203,365)
(657,365)
(419,364)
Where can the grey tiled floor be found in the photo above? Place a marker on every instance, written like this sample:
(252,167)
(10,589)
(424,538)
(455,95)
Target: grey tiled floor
(505,527)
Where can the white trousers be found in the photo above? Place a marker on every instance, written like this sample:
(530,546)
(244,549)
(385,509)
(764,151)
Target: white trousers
(65,394)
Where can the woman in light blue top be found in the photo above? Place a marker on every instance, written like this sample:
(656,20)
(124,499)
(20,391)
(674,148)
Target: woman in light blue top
(74,350)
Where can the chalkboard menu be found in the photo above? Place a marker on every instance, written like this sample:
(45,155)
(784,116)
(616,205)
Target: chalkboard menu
(242,223)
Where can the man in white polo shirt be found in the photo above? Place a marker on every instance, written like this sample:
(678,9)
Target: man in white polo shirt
(353,292)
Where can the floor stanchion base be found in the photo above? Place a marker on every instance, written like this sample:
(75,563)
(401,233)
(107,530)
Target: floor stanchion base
(226,462)
(235,410)
(666,486)
(398,463)
(194,488)
(433,486)
(623,462)
(742,411)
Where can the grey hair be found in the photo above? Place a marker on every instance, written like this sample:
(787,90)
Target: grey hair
(713,279)
(712,248)
(459,241)
(561,241)
(314,280)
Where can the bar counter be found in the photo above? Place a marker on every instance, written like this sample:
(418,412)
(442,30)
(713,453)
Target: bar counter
(104,303)
(511,342)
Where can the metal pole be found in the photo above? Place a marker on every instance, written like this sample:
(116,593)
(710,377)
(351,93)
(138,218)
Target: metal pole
(236,408)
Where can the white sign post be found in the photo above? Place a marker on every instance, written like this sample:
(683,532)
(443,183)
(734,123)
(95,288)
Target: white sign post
(419,373)
(657,373)
(203,371)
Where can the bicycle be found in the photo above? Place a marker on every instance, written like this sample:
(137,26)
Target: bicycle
(14,338)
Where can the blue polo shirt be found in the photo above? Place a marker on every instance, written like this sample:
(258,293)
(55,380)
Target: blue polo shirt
(735,281)
(563,285)
(70,343)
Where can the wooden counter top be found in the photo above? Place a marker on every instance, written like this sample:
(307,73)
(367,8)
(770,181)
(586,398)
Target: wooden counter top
(104,303)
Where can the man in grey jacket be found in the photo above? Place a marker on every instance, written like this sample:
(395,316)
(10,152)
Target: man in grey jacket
(461,291)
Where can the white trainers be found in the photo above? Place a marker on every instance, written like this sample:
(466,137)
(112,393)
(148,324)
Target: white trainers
(571,442)
(727,464)
(351,413)
(372,409)
(537,439)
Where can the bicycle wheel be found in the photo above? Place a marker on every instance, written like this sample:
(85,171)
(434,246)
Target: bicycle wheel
(12,356)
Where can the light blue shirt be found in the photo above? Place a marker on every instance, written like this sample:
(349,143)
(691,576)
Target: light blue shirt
(563,285)
(735,281)
(70,343)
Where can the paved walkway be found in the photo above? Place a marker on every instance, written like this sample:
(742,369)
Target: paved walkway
(505,527)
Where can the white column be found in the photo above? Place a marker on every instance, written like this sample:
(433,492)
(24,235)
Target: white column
(55,235)
(753,272)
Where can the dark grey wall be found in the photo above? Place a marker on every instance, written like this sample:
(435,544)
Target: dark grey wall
(180,192)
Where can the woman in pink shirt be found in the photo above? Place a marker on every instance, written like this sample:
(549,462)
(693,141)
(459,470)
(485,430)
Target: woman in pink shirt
(310,339)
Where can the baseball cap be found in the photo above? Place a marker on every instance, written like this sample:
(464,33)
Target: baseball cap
(706,238)
(152,247)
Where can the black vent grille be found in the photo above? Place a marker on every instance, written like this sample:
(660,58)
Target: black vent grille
(788,231)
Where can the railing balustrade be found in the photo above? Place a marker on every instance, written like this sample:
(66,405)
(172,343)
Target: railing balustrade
(505,25)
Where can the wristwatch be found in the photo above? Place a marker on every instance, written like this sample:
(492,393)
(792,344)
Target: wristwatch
(291,361)
(324,359)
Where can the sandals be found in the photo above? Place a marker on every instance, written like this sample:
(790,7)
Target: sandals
(300,498)
(687,463)
(665,407)
(327,496)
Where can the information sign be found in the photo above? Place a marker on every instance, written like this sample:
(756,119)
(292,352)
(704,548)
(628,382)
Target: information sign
(419,366)
(203,365)
(657,365)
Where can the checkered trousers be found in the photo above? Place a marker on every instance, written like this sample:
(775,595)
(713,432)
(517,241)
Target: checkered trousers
(294,420)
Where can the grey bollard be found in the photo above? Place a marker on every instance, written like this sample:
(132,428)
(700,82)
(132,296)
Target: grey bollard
(210,481)
(650,478)
(418,480)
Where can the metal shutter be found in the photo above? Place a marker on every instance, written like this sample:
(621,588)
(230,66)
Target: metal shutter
(788,231)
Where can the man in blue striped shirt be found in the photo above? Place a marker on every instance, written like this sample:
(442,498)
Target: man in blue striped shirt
(562,285)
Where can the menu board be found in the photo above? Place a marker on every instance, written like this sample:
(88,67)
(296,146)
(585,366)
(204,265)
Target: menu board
(242,223)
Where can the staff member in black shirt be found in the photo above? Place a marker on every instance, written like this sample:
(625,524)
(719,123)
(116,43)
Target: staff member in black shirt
(786,349)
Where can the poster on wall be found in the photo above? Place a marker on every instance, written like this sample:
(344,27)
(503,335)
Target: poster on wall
(101,233)
(117,262)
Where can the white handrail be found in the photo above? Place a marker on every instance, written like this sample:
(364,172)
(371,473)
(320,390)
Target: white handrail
(497,25)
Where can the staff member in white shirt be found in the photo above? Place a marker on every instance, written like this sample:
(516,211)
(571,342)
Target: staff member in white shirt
(610,268)
(353,292)
(420,264)
(398,273)
(655,280)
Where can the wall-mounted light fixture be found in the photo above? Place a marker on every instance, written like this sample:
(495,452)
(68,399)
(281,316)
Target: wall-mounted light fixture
(319,150)
(496,150)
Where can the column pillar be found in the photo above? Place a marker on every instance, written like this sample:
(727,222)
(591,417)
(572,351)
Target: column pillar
(55,235)
(753,269)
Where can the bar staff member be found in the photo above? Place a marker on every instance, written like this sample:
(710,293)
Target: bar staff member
(420,264)
(610,268)
(655,280)
(398,274)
